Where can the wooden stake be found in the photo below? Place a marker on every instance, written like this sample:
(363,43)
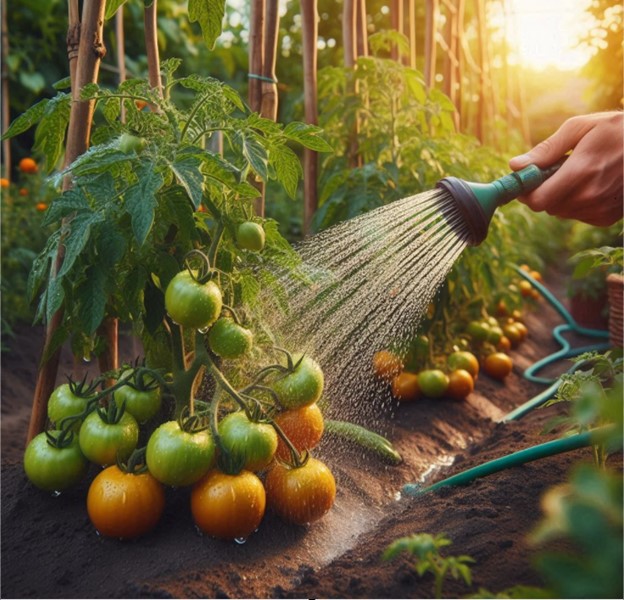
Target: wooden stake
(431,18)
(309,27)
(151,45)
(6,113)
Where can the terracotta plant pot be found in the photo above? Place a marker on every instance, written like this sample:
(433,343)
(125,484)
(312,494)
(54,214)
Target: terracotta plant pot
(615,291)
(590,312)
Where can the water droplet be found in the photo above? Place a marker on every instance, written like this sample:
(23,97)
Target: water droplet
(199,532)
(240,540)
(56,494)
(86,358)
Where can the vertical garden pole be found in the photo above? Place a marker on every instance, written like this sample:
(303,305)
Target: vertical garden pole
(120,39)
(411,28)
(151,45)
(431,17)
(397,24)
(361,29)
(6,115)
(309,27)
(450,59)
(269,102)
(85,70)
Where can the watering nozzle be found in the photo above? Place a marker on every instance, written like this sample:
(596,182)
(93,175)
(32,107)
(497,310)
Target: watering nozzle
(478,201)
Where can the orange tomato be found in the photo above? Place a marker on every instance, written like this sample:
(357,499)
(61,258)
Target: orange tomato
(28,165)
(512,333)
(462,359)
(405,387)
(303,426)
(497,365)
(504,344)
(461,384)
(140,104)
(23,192)
(522,328)
(4,183)
(526,289)
(228,506)
(386,364)
(124,505)
(41,206)
(536,275)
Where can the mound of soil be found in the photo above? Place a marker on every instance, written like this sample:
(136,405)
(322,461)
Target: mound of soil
(50,549)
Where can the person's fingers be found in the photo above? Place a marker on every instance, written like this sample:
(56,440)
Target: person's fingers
(556,146)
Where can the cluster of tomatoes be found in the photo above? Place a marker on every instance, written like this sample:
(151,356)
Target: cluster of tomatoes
(240,457)
(484,345)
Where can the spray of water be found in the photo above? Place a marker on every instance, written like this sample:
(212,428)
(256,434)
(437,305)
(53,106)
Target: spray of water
(365,284)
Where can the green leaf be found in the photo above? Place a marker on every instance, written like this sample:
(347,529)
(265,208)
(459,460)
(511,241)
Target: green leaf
(26,120)
(72,201)
(209,14)
(308,136)
(141,201)
(55,294)
(188,174)
(91,297)
(110,245)
(287,167)
(41,265)
(50,133)
(35,82)
(77,239)
(97,160)
(255,153)
(111,8)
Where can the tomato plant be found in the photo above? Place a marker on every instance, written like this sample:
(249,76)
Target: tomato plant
(124,504)
(228,506)
(228,339)
(302,384)
(178,457)
(53,461)
(301,494)
(303,426)
(108,436)
(251,443)
(191,303)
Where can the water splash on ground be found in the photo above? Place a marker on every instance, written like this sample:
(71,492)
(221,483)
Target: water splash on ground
(365,284)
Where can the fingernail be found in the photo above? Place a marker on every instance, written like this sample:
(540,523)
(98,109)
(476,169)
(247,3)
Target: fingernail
(521,159)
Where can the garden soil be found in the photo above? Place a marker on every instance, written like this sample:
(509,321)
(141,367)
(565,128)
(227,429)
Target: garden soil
(49,548)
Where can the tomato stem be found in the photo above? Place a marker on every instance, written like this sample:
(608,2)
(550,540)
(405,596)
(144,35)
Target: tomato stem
(297,459)
(214,244)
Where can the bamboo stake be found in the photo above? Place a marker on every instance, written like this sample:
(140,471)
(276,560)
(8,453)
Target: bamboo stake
(120,38)
(361,43)
(256,53)
(90,53)
(411,27)
(6,113)
(348,33)
(451,62)
(431,17)
(309,27)
(397,24)
(269,98)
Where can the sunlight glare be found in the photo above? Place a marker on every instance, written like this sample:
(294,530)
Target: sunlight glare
(545,33)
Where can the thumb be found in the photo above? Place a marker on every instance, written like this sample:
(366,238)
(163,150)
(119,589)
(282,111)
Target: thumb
(554,147)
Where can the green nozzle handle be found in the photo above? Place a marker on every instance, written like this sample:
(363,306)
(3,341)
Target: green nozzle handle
(523,181)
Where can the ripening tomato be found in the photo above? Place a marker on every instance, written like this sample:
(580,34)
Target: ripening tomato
(497,365)
(130,143)
(124,505)
(254,444)
(228,506)
(526,289)
(250,236)
(177,457)
(522,328)
(433,382)
(303,426)
(479,331)
(4,182)
(53,468)
(300,494)
(191,303)
(63,403)
(504,345)
(228,339)
(28,165)
(41,206)
(302,386)
(405,387)
(461,384)
(513,333)
(386,364)
(463,359)
(104,443)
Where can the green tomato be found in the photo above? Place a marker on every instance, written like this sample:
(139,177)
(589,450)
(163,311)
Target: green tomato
(478,330)
(64,403)
(250,236)
(433,383)
(130,143)
(104,443)
(301,387)
(463,359)
(141,404)
(227,339)
(193,304)
(176,457)
(51,468)
(253,443)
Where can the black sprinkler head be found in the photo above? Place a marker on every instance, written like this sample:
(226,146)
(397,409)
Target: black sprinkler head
(478,201)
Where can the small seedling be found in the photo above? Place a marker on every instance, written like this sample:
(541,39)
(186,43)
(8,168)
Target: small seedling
(426,550)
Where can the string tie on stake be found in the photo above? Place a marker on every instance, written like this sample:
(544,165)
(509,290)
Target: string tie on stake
(262,78)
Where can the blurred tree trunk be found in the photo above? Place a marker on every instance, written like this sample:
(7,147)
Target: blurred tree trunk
(84,68)
(397,15)
(361,28)
(309,26)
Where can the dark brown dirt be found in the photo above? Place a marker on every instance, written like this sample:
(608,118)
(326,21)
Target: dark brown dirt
(50,549)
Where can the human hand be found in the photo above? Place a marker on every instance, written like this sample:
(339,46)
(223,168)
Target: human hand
(588,186)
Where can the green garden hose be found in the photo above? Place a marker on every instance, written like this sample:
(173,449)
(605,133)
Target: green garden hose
(566,444)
